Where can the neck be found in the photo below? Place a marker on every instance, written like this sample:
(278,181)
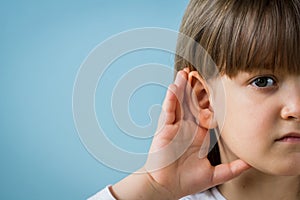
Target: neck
(254,184)
(257,185)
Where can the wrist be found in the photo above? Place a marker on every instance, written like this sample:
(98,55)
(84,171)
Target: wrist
(158,190)
(140,186)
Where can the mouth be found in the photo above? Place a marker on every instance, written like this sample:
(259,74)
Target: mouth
(291,137)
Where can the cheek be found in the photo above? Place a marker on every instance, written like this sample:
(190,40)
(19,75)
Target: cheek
(246,130)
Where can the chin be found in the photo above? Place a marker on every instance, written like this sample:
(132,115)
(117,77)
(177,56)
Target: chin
(284,170)
(287,167)
(288,173)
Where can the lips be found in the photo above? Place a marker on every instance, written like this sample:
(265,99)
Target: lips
(291,137)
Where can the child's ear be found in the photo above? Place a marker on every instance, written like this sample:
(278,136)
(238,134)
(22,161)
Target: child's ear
(199,101)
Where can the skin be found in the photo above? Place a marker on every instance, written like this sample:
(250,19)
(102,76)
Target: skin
(190,108)
(190,171)
(266,112)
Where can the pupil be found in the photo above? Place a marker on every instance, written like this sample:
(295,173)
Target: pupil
(261,82)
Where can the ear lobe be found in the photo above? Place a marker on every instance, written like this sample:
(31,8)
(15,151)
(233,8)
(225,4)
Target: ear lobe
(200,105)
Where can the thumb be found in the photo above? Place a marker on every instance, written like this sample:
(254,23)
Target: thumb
(226,172)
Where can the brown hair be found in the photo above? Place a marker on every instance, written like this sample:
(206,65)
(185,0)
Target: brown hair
(242,35)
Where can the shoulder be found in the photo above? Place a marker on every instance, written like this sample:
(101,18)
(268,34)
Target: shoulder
(211,194)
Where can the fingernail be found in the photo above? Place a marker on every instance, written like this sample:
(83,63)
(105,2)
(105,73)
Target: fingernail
(203,152)
(179,77)
(186,70)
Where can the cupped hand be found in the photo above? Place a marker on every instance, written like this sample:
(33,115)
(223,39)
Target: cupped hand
(177,161)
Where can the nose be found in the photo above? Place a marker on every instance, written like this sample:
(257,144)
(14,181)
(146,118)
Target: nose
(291,113)
(291,108)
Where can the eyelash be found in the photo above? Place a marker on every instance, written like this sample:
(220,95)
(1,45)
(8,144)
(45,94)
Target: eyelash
(266,81)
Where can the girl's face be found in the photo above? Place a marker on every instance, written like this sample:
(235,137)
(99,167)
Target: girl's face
(262,121)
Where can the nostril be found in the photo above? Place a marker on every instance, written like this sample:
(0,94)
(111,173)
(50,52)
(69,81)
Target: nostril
(291,112)
(293,118)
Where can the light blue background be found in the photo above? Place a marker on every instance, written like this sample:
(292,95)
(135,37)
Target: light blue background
(43,44)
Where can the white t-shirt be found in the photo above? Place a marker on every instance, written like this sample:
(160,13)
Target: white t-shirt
(211,194)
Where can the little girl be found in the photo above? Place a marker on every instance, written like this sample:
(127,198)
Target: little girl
(253,104)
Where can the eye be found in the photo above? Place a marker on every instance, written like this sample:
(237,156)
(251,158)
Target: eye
(264,81)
